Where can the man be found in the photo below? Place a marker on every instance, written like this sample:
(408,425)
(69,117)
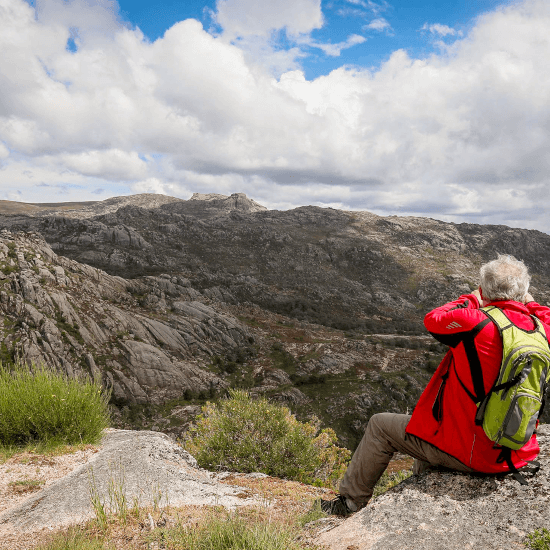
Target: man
(442,430)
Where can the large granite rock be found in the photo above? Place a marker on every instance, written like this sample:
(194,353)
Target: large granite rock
(451,511)
(144,466)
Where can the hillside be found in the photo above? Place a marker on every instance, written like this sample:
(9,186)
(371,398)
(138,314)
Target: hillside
(317,308)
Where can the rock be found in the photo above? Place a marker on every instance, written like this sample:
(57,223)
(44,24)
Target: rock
(159,377)
(291,396)
(441,510)
(144,465)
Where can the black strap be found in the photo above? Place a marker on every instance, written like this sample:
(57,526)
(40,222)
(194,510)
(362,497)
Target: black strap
(470,394)
(543,403)
(506,456)
(473,360)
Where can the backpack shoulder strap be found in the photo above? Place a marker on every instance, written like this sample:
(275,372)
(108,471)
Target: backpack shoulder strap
(498,317)
(468,341)
(539,327)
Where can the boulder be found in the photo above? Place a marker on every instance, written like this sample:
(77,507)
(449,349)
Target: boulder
(147,466)
(441,510)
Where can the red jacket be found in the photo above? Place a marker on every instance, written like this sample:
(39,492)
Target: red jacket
(445,413)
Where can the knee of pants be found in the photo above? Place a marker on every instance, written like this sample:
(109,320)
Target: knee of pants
(378,419)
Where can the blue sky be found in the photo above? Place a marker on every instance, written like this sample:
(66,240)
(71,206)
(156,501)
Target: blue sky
(405,20)
(435,109)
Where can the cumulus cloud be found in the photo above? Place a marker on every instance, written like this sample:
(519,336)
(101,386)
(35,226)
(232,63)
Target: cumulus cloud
(250,17)
(113,164)
(461,135)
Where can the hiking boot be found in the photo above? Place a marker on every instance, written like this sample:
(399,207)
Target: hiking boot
(339,506)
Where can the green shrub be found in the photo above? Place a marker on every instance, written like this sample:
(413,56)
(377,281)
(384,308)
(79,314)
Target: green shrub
(246,435)
(539,540)
(38,404)
(228,533)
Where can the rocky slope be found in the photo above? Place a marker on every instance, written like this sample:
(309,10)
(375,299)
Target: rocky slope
(350,270)
(169,301)
(82,320)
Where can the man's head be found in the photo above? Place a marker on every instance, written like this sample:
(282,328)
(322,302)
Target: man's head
(504,279)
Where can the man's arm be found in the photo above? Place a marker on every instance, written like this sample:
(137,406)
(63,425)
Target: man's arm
(450,322)
(541,312)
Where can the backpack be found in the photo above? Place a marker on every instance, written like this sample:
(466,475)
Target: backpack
(509,412)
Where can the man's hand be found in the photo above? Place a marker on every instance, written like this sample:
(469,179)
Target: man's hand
(477,294)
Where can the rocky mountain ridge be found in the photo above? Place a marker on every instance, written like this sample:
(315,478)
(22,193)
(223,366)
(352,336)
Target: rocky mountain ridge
(350,270)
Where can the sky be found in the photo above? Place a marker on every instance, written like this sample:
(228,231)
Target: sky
(408,107)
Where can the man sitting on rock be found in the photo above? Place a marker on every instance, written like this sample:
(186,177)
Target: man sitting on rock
(441,431)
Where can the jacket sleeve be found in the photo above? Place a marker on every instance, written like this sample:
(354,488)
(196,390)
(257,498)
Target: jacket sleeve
(541,312)
(449,322)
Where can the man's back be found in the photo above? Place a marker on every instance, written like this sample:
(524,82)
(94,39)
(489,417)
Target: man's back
(445,414)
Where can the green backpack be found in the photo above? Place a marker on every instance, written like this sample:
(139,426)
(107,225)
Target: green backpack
(509,412)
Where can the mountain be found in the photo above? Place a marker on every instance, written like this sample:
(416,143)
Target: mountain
(169,301)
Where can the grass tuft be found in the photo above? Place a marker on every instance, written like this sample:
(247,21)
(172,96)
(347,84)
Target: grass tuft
(76,539)
(228,533)
(41,407)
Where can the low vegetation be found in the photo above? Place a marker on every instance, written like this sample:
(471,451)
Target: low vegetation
(538,540)
(39,406)
(230,532)
(241,434)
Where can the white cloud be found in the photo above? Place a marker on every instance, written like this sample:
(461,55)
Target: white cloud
(4,152)
(379,24)
(250,17)
(441,30)
(334,50)
(462,135)
(113,164)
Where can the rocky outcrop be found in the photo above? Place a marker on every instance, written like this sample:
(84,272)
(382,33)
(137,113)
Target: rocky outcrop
(146,467)
(83,321)
(451,511)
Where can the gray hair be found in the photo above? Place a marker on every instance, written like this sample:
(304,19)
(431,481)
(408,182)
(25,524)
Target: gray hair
(504,279)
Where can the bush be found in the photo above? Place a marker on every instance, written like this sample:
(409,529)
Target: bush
(40,405)
(539,540)
(245,435)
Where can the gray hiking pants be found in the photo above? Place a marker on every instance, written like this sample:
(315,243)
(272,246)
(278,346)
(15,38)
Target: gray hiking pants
(385,434)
